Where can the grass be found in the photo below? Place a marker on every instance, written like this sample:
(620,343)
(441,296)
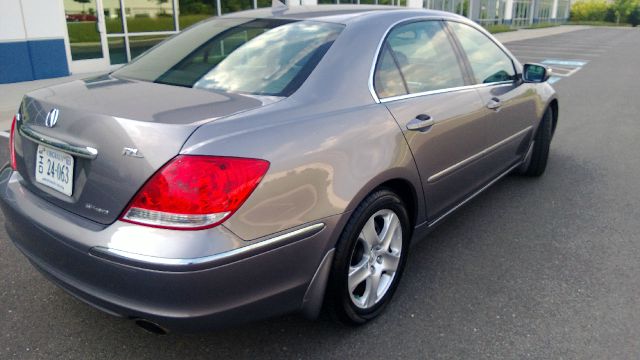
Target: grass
(499,28)
(542,25)
(596,23)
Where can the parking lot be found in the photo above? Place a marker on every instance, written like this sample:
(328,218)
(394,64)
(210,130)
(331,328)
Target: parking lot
(533,268)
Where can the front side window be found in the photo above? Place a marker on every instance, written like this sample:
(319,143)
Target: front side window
(488,62)
(424,56)
(248,56)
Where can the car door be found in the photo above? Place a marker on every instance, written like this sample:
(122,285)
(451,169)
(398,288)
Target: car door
(508,102)
(421,80)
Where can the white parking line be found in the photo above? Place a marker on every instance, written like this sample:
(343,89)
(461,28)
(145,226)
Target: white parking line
(558,53)
(561,47)
(4,134)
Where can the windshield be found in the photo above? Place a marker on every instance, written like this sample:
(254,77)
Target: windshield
(253,56)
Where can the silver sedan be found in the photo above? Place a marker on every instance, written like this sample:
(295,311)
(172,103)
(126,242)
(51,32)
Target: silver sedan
(268,162)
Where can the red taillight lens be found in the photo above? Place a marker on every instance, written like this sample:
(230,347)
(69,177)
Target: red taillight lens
(195,192)
(12,145)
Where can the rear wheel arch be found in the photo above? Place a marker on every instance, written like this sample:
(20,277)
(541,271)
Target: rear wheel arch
(402,186)
(407,192)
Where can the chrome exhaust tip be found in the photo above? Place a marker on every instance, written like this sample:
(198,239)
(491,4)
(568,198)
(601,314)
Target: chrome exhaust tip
(151,327)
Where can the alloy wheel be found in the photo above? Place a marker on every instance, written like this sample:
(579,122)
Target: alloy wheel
(375,259)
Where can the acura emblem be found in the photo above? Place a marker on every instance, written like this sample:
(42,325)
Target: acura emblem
(52,118)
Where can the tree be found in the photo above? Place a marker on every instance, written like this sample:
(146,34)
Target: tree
(623,9)
(589,10)
(634,16)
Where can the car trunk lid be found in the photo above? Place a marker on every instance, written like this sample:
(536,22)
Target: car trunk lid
(133,127)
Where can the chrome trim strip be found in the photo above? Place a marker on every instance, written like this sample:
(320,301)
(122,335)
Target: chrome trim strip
(79,151)
(408,96)
(450,169)
(441,91)
(177,263)
(377,53)
(436,221)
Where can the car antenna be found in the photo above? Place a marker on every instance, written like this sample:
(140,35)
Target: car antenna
(278,7)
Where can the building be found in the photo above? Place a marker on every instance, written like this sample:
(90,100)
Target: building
(42,39)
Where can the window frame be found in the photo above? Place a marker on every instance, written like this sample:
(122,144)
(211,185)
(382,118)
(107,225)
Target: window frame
(463,62)
(466,76)
(465,58)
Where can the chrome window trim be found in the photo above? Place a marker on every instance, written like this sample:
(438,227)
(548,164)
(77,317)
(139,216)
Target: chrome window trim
(379,48)
(439,91)
(191,264)
(454,167)
(490,37)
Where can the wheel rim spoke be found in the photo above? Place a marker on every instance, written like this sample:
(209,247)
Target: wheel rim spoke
(390,262)
(389,232)
(358,274)
(369,234)
(373,284)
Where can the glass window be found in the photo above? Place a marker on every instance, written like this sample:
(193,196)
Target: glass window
(488,62)
(254,56)
(193,11)
(113,16)
(388,80)
(149,15)
(82,27)
(117,51)
(140,44)
(425,56)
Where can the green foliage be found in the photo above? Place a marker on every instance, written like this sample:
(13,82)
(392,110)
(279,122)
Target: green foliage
(498,28)
(589,10)
(634,16)
(197,7)
(542,25)
(596,23)
(463,8)
(623,9)
(618,11)
(611,15)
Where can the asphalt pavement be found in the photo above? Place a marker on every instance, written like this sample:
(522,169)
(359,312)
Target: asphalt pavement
(542,268)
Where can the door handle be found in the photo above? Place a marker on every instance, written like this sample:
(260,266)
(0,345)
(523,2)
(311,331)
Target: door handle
(494,103)
(421,123)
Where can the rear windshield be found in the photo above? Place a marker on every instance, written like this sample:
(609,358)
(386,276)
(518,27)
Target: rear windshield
(252,56)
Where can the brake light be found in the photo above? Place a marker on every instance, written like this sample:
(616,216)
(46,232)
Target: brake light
(195,192)
(12,147)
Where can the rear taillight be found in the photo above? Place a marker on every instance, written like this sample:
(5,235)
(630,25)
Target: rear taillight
(195,192)
(12,145)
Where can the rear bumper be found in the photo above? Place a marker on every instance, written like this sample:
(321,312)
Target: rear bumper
(179,293)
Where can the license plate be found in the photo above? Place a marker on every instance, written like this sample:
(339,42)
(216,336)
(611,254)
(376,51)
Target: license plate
(55,169)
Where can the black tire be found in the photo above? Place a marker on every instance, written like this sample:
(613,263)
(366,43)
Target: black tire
(540,154)
(339,299)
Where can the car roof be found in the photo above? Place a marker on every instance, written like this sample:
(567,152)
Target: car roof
(336,13)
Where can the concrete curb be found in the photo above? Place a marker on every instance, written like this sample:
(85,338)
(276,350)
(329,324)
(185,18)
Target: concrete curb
(524,34)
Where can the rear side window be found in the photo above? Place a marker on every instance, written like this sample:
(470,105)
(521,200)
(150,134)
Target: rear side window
(388,79)
(424,56)
(488,62)
(248,56)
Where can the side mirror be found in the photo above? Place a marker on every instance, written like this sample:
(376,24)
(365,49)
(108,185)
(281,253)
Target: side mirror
(535,73)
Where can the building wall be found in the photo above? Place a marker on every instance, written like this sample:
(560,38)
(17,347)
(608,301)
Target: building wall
(32,40)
